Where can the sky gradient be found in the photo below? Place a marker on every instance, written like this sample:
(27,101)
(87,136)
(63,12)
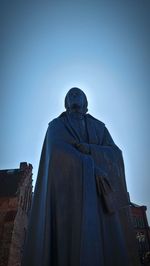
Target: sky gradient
(47,47)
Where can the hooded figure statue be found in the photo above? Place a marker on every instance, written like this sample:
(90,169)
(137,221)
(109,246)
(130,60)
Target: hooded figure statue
(79,194)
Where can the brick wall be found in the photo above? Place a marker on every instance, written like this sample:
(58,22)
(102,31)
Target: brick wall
(14,214)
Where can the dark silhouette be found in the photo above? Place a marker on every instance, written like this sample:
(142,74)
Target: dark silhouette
(79,192)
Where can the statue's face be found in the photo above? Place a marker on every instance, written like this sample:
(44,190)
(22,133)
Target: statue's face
(76,99)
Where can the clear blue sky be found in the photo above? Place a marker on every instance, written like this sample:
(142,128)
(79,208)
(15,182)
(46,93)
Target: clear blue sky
(100,46)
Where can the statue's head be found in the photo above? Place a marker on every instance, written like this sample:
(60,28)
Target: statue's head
(76,101)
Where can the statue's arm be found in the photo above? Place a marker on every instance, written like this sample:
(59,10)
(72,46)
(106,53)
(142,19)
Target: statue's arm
(106,142)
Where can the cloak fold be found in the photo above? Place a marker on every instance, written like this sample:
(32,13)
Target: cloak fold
(70,224)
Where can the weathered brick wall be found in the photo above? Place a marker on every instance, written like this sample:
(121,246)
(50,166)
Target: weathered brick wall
(17,241)
(5,243)
(14,212)
(8,209)
(20,223)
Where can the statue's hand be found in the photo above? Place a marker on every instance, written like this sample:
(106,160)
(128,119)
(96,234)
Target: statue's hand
(83,147)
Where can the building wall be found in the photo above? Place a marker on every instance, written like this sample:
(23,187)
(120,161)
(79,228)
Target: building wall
(141,230)
(14,213)
(7,215)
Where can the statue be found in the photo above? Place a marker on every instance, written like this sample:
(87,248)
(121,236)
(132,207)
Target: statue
(79,192)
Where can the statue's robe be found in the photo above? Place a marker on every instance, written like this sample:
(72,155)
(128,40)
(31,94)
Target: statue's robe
(72,223)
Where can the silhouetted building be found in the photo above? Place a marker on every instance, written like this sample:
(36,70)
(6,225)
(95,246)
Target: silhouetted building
(141,229)
(15,203)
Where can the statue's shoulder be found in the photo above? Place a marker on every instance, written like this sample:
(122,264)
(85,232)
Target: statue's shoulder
(98,122)
(57,121)
(52,122)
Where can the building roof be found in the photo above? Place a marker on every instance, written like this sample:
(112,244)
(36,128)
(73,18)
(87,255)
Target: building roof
(137,206)
(134,204)
(10,180)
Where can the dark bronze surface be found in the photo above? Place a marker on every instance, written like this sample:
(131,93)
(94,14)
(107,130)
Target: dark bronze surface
(79,193)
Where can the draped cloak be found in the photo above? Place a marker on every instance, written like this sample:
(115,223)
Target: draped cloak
(71,223)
